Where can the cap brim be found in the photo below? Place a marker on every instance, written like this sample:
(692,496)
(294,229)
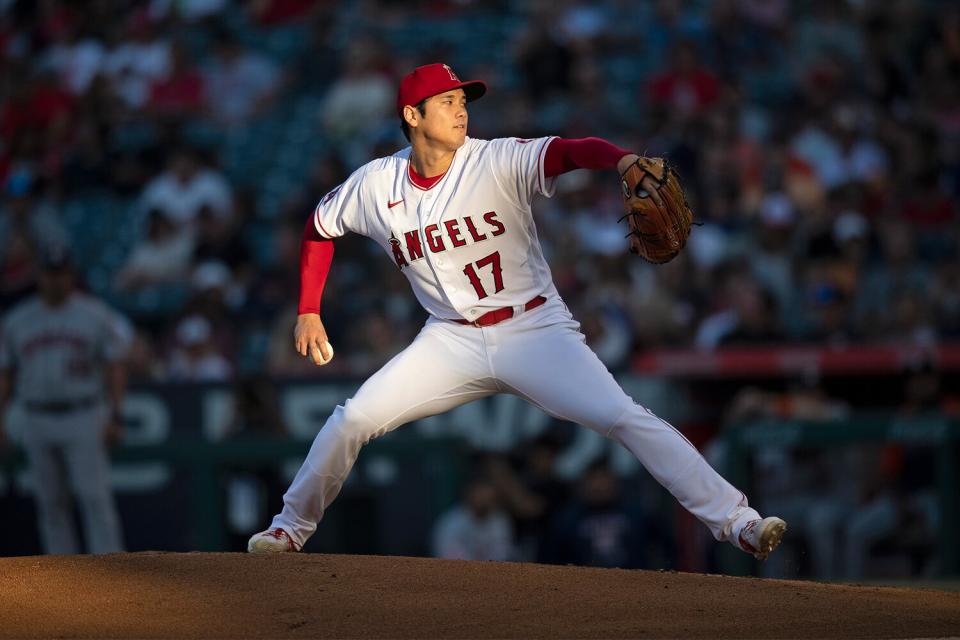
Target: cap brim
(473,89)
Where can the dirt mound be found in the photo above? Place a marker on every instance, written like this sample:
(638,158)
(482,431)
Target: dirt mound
(202,595)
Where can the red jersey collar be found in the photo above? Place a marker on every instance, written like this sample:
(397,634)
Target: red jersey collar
(423,183)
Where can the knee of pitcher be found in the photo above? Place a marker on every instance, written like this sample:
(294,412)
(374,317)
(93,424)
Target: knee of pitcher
(620,420)
(353,423)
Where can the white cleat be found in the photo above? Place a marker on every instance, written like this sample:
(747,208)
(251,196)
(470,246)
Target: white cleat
(272,541)
(760,537)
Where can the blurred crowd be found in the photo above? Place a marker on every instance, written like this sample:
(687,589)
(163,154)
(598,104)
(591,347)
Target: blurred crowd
(516,506)
(178,147)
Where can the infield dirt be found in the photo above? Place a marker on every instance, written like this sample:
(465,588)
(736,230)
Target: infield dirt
(204,595)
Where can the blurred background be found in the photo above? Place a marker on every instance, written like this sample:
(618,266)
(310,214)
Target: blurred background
(807,339)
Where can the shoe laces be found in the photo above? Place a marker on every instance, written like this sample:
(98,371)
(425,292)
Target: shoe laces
(283,536)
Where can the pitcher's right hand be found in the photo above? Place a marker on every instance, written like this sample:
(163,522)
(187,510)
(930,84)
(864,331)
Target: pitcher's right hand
(310,339)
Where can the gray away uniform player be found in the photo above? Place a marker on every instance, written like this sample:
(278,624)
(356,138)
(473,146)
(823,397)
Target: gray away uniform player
(61,356)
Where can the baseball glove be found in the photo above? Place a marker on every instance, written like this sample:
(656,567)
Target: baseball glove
(657,212)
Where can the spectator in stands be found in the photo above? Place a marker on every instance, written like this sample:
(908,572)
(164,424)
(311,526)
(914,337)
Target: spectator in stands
(584,24)
(663,303)
(216,295)
(77,57)
(137,61)
(928,210)
(826,31)
(911,320)
(360,99)
(18,267)
(772,259)
(838,152)
(687,89)
(28,224)
(219,238)
(669,23)
(181,92)
(599,530)
(898,270)
(531,491)
(185,188)
(36,105)
(196,357)
(747,314)
(758,320)
(476,528)
(164,255)
(831,316)
(545,62)
(23,208)
(144,361)
(241,83)
(89,163)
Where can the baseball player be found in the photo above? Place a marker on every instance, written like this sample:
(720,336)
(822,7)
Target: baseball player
(61,355)
(454,214)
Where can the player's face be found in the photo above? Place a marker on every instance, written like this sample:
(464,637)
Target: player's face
(55,285)
(445,122)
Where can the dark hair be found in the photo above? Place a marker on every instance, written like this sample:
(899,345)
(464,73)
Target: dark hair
(422,108)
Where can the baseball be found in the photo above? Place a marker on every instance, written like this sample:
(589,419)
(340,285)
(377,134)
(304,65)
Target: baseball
(318,355)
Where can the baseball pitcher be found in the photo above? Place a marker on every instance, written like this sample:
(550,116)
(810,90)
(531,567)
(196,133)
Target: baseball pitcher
(454,214)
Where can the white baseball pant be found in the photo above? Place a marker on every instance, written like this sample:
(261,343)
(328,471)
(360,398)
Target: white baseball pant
(539,355)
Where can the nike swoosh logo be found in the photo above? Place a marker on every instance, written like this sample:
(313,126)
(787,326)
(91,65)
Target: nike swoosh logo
(391,205)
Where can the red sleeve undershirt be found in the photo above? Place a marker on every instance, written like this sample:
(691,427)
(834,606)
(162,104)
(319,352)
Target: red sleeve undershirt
(584,153)
(316,254)
(563,155)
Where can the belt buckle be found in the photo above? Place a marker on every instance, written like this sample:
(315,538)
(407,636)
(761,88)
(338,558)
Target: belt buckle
(477,324)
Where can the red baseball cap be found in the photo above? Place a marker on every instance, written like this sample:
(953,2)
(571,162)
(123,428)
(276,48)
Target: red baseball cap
(431,79)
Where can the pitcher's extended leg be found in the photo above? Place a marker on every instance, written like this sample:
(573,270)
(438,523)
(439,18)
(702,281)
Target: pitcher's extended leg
(552,367)
(443,368)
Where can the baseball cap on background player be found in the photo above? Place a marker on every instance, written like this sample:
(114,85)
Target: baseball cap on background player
(430,80)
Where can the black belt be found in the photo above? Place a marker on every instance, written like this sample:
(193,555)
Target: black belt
(61,406)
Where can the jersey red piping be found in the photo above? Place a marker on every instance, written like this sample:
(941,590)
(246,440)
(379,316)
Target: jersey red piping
(320,224)
(540,164)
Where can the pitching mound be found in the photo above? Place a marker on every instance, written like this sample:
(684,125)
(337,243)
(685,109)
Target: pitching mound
(200,595)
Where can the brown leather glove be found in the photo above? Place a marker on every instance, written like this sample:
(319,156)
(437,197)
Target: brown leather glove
(657,212)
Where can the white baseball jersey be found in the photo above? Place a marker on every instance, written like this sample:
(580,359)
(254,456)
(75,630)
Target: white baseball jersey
(58,353)
(468,244)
